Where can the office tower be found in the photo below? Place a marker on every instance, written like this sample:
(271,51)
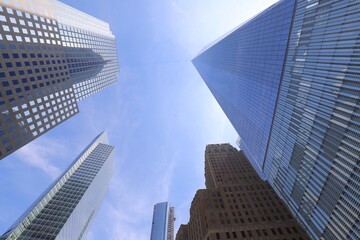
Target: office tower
(243,73)
(52,56)
(236,203)
(66,209)
(163,222)
(297,115)
(170,226)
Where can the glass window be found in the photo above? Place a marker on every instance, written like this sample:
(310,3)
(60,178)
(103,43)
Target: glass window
(6,28)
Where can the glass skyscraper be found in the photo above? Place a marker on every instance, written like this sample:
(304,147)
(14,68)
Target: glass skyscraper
(66,209)
(163,222)
(52,56)
(243,73)
(312,131)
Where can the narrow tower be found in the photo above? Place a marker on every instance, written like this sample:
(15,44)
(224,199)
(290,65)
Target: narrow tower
(66,209)
(163,222)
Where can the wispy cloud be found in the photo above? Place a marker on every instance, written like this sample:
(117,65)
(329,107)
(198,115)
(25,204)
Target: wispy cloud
(41,153)
(127,208)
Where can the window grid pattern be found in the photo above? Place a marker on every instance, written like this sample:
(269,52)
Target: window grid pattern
(236,203)
(103,46)
(36,93)
(43,8)
(314,150)
(69,16)
(19,26)
(46,67)
(65,210)
(243,72)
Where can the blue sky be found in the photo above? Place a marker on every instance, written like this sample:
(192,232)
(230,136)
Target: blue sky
(159,115)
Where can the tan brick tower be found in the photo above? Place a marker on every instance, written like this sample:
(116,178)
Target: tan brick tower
(236,203)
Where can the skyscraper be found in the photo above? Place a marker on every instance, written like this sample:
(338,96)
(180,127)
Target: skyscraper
(291,89)
(170,226)
(66,209)
(236,203)
(163,222)
(52,56)
(243,73)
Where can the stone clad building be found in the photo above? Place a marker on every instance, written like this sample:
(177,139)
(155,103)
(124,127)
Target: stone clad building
(236,203)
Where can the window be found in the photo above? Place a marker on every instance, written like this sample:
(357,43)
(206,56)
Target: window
(9,38)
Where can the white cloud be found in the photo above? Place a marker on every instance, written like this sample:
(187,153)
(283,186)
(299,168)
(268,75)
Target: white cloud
(41,154)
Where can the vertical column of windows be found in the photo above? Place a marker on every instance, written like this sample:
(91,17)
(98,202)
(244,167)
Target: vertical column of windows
(314,147)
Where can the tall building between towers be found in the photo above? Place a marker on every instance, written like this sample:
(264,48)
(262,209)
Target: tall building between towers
(236,203)
(66,209)
(288,80)
(162,227)
(51,57)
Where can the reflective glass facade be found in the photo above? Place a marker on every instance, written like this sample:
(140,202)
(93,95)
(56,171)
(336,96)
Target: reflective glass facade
(314,148)
(65,210)
(313,140)
(159,222)
(48,62)
(243,72)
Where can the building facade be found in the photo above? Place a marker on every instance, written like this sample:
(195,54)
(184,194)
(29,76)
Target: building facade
(243,73)
(183,232)
(310,146)
(162,227)
(159,222)
(66,209)
(236,203)
(170,226)
(314,149)
(52,56)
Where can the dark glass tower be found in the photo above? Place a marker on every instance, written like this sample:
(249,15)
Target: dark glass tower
(52,56)
(66,209)
(309,144)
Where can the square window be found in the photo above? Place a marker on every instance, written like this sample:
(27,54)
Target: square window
(6,28)
(9,10)
(9,38)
